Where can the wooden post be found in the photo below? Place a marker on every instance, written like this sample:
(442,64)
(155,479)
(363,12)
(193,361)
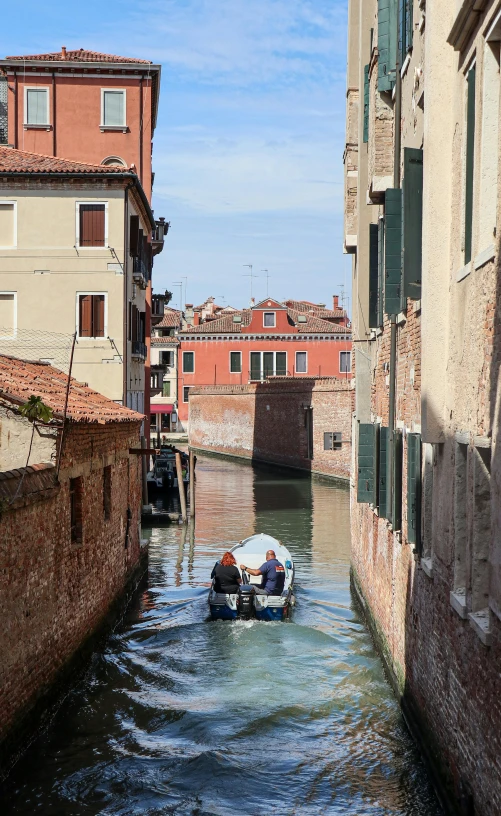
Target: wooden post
(180,484)
(144,471)
(192,484)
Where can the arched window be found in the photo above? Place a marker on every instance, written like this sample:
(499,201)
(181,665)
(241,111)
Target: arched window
(113,160)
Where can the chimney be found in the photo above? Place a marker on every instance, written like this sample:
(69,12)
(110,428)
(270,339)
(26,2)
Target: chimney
(196,318)
(252,302)
(188,313)
(63,52)
(335,302)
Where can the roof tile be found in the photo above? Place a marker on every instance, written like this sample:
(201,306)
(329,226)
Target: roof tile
(20,161)
(79,55)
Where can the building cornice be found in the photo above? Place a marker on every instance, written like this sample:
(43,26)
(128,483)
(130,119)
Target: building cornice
(465,23)
(290,337)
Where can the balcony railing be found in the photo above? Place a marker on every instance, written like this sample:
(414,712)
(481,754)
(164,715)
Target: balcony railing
(139,350)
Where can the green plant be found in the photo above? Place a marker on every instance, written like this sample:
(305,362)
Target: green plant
(35,409)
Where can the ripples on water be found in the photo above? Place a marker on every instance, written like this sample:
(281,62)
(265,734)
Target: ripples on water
(180,715)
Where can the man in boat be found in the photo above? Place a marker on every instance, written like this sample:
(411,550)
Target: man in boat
(273,574)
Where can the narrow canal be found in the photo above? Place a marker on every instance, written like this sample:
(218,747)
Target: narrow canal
(180,715)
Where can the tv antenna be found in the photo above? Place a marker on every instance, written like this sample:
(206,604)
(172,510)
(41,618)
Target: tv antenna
(250,275)
(267,276)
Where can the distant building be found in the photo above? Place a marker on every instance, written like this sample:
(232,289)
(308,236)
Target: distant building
(164,347)
(270,339)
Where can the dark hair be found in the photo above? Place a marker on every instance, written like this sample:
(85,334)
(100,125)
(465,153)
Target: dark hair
(228,560)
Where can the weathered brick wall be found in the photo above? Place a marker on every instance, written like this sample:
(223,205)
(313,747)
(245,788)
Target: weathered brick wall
(267,422)
(380,146)
(55,593)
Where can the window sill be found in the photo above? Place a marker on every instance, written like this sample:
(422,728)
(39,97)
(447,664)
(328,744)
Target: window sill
(405,66)
(401,319)
(485,256)
(37,127)
(427,566)
(417,306)
(480,623)
(463,272)
(458,603)
(117,128)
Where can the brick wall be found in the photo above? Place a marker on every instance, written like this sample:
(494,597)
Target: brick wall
(55,593)
(266,422)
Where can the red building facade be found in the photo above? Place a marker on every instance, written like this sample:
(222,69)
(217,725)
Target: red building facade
(271,339)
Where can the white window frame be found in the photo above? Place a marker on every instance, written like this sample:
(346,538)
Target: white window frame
(261,367)
(123,126)
(78,204)
(77,315)
(10,202)
(189,351)
(235,351)
(274,320)
(45,88)
(344,351)
(14,327)
(186,401)
(306,355)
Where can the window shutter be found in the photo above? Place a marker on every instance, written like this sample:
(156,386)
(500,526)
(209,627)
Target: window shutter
(396,516)
(328,440)
(85,317)
(382,480)
(386,43)
(393,251)
(366,103)
(373,276)
(134,323)
(97,316)
(113,108)
(412,218)
(380,286)
(470,156)
(414,488)
(255,361)
(37,100)
(281,363)
(268,363)
(92,218)
(365,487)
(409,19)
(134,235)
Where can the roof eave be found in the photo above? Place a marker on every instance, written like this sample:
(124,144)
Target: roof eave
(71,64)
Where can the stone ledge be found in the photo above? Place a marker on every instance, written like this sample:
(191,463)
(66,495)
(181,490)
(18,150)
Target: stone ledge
(480,623)
(458,603)
(427,566)
(463,273)
(485,256)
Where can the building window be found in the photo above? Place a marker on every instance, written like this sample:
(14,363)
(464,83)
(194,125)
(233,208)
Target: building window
(405,28)
(186,393)
(301,362)
(269,319)
(345,362)
(235,362)
(8,225)
(113,106)
(188,362)
(166,388)
(308,424)
(332,440)
(8,314)
(113,161)
(107,491)
(36,106)
(469,166)
(490,138)
(76,520)
(167,358)
(91,315)
(268,364)
(91,225)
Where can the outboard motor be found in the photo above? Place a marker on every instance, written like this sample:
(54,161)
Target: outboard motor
(246,594)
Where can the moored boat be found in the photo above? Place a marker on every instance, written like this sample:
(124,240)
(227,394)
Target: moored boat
(246,603)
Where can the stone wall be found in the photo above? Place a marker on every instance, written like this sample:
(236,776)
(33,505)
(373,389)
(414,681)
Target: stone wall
(54,593)
(267,422)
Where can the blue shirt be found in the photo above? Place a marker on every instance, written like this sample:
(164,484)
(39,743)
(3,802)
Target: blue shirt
(273,574)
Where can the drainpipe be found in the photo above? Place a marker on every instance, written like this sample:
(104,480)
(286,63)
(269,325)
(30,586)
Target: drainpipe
(397,116)
(16,113)
(53,114)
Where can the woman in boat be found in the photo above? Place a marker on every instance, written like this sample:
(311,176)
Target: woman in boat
(226,575)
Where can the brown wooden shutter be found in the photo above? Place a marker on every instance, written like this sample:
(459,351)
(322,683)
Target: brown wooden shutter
(134,322)
(85,316)
(92,225)
(134,236)
(98,315)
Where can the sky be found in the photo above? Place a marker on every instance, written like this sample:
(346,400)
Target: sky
(249,142)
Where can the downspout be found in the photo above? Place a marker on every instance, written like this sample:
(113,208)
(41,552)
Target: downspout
(126,294)
(53,113)
(16,124)
(141,129)
(397,115)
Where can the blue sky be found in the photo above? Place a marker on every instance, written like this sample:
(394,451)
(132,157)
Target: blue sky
(249,143)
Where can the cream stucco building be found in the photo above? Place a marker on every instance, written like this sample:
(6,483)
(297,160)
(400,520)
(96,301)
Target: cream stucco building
(76,251)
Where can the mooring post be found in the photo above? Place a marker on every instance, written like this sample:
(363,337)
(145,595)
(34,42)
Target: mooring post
(180,484)
(192,484)
(144,471)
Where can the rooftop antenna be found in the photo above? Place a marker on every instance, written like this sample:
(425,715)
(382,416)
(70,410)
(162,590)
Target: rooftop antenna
(180,284)
(267,276)
(251,276)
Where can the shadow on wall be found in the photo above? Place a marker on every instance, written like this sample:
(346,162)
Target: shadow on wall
(283,430)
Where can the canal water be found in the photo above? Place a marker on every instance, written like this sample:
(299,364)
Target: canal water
(180,715)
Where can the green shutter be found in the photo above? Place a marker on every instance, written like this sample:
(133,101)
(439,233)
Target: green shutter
(365,492)
(397,448)
(386,43)
(380,288)
(414,488)
(412,218)
(393,251)
(470,156)
(382,486)
(373,276)
(409,20)
(366,103)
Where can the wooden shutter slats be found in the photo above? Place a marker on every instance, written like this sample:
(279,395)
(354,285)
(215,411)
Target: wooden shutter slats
(365,486)
(470,157)
(85,316)
(134,235)
(393,251)
(366,103)
(373,276)
(387,44)
(412,220)
(92,225)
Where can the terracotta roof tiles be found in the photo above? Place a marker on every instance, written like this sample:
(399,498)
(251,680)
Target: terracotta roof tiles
(19,379)
(78,55)
(171,318)
(225,324)
(21,161)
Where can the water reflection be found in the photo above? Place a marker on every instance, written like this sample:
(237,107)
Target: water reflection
(180,715)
